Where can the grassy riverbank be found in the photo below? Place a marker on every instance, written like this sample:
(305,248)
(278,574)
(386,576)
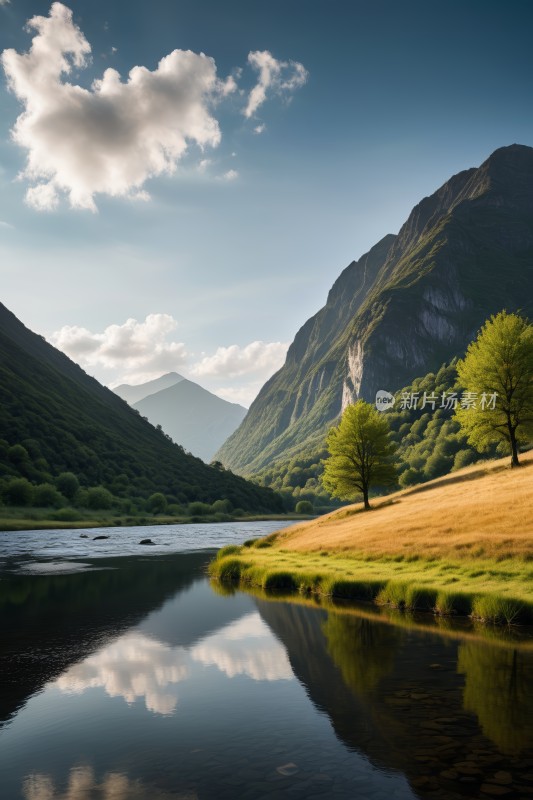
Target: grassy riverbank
(462,544)
(21,522)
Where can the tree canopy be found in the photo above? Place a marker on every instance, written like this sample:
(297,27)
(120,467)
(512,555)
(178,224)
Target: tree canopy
(497,374)
(361,453)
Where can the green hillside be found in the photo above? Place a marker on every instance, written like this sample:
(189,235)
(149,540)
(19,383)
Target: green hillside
(54,418)
(412,303)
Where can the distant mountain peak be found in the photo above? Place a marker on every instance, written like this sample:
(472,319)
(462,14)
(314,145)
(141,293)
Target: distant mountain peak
(192,416)
(133,393)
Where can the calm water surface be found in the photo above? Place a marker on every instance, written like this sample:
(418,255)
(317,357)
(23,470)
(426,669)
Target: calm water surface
(125,674)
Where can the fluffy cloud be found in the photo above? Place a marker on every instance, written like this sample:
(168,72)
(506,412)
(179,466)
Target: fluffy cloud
(234,361)
(278,77)
(135,352)
(138,350)
(112,137)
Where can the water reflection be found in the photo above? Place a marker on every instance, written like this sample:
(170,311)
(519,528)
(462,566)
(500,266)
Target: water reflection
(245,647)
(83,784)
(180,692)
(363,651)
(499,690)
(138,666)
(453,712)
(132,666)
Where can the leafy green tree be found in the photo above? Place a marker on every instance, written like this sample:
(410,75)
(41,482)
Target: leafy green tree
(157,503)
(99,498)
(499,364)
(46,495)
(304,507)
(361,453)
(68,484)
(18,492)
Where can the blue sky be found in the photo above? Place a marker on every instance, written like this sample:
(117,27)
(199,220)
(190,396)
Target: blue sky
(210,263)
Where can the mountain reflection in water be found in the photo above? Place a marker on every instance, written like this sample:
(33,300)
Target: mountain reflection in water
(140,681)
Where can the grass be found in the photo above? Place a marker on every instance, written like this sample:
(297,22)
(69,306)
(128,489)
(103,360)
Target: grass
(25,519)
(460,545)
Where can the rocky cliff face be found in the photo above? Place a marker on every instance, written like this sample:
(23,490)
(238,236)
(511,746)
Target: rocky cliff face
(412,302)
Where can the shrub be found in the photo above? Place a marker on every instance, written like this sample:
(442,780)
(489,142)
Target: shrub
(222,506)
(197,509)
(157,503)
(99,498)
(18,492)
(47,495)
(304,507)
(68,484)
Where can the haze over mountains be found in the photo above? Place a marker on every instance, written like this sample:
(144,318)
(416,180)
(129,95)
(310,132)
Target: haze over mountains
(132,394)
(414,301)
(193,417)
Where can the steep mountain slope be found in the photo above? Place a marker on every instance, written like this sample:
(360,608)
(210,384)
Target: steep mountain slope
(132,394)
(410,304)
(193,417)
(64,420)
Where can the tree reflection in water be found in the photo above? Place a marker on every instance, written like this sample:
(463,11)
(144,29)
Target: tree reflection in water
(363,651)
(497,689)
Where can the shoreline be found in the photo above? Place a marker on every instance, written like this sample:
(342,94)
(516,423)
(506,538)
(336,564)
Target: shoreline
(381,583)
(459,545)
(14,525)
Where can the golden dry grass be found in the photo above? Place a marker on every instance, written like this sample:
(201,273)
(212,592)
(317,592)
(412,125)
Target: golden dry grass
(483,511)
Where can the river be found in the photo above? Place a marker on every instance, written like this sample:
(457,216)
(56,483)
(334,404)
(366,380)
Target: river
(127,674)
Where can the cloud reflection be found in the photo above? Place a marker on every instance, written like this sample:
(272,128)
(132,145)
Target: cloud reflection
(82,785)
(136,666)
(132,666)
(246,647)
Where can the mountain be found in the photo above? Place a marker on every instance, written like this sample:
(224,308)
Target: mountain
(55,418)
(413,302)
(132,394)
(193,417)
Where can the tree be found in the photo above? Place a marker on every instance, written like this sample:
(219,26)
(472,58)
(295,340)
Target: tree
(498,371)
(18,492)
(157,503)
(304,507)
(68,484)
(361,453)
(99,498)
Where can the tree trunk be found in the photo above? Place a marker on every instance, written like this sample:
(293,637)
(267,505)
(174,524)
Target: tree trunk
(365,498)
(514,446)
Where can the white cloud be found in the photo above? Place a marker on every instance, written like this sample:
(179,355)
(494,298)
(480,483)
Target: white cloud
(111,138)
(277,77)
(4,2)
(140,351)
(262,358)
(230,175)
(260,129)
(4,224)
(135,352)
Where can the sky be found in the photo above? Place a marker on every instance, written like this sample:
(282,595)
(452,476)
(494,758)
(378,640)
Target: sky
(181,182)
